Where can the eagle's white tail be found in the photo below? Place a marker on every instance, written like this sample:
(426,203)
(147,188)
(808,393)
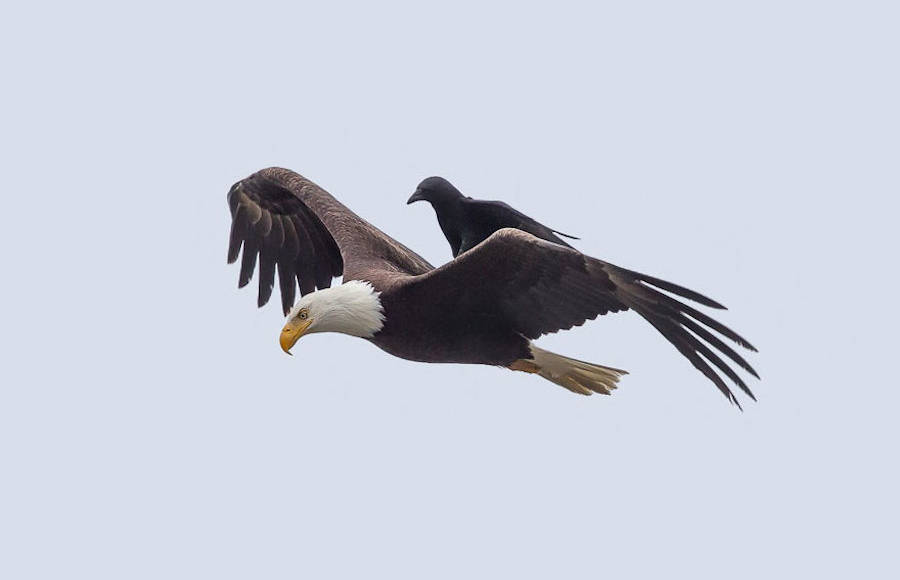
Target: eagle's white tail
(578,376)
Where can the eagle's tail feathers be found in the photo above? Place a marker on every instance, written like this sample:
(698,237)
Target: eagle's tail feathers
(577,376)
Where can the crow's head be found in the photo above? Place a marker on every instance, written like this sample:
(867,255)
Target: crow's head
(435,190)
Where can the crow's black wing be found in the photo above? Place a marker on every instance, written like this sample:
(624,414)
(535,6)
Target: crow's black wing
(486,217)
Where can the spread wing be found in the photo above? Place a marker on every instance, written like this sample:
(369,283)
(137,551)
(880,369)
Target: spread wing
(539,287)
(297,228)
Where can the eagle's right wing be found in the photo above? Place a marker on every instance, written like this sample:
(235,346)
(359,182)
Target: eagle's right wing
(539,287)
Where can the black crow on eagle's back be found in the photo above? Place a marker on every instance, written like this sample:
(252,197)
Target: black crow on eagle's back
(484,307)
(467,222)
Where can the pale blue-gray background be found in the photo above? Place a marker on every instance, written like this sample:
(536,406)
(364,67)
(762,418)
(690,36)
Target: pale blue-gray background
(150,427)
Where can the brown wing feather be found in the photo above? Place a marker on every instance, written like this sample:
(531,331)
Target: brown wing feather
(300,231)
(539,287)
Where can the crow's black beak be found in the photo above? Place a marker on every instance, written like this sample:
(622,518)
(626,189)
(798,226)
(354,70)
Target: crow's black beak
(417,196)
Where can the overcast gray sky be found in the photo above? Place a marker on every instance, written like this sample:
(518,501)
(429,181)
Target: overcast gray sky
(150,427)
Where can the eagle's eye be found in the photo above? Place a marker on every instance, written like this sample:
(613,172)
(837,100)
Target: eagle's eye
(304,314)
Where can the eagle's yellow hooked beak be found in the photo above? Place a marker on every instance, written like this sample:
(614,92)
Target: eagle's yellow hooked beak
(292,332)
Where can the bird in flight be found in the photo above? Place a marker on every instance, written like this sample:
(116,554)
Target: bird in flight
(484,307)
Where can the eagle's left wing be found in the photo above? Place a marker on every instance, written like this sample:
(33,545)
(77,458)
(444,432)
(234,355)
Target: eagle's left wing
(301,231)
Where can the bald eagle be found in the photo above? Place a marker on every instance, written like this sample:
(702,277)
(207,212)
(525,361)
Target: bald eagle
(484,307)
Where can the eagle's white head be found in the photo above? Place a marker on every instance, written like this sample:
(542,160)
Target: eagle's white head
(352,308)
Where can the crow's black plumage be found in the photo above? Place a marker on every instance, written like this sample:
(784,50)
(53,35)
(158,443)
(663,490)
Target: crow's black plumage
(467,222)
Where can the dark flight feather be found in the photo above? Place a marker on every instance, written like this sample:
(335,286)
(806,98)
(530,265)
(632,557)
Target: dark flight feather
(239,223)
(248,261)
(676,289)
(267,259)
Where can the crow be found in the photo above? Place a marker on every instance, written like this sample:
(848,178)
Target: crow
(467,222)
